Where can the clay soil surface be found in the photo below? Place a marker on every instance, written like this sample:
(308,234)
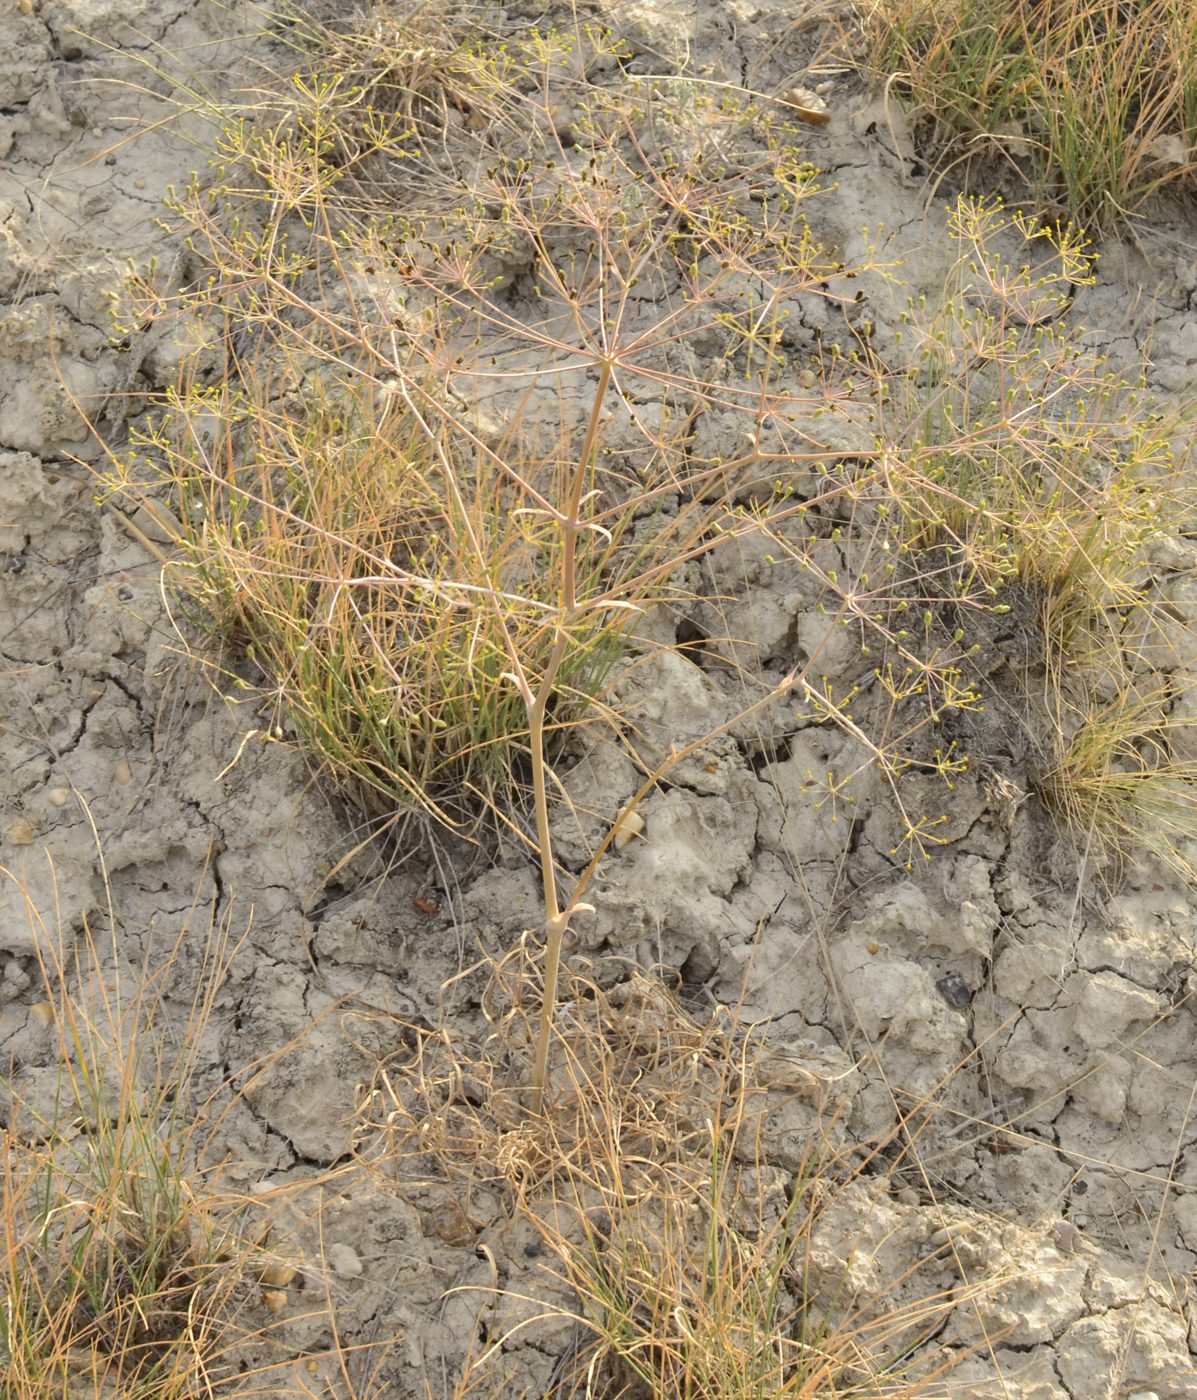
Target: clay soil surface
(1041,1030)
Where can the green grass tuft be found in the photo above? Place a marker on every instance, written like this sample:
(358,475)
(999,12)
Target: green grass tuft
(1090,103)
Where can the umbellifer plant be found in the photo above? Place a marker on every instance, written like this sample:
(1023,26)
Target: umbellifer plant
(435,578)
(458,418)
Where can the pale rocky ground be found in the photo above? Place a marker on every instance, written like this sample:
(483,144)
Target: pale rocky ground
(1063,1015)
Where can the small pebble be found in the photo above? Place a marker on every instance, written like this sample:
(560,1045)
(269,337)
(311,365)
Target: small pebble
(276,1274)
(123,772)
(344,1261)
(21,833)
(16,979)
(58,796)
(452,1225)
(955,991)
(275,1299)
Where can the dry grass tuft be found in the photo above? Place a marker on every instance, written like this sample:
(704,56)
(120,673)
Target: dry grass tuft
(682,1177)
(122,1265)
(381,575)
(131,1265)
(453,1104)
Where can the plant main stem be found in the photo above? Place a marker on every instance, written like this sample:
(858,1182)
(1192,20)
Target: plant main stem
(556,918)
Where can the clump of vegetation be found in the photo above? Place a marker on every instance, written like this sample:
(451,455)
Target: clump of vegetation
(1093,103)
(994,562)
(445,456)
(133,1263)
(122,1264)
(1119,777)
(1045,477)
(463,410)
(690,1260)
(381,573)
(689,1296)
(426,509)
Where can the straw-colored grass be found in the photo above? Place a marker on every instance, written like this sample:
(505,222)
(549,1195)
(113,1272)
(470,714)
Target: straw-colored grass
(690,1260)
(123,1264)
(133,1265)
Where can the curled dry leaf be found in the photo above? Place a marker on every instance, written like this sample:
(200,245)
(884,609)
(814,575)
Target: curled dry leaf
(1169,149)
(809,106)
(628,824)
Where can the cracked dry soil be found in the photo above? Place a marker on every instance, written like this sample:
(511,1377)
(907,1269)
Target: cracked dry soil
(1055,1030)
